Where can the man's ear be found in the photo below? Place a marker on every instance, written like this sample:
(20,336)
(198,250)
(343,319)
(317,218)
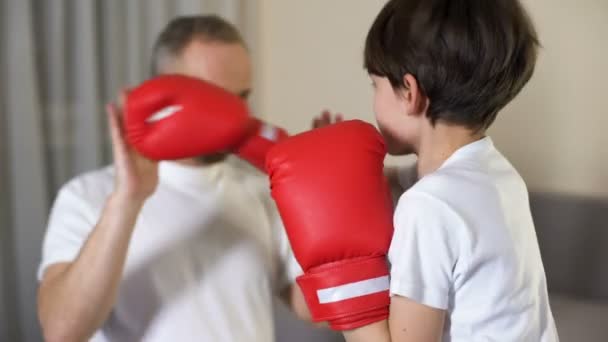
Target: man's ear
(415,99)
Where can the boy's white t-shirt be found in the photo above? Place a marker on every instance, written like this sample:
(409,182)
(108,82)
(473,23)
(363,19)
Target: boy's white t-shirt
(207,253)
(465,242)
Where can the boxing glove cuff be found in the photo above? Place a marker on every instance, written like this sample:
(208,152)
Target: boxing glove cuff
(348,294)
(262,138)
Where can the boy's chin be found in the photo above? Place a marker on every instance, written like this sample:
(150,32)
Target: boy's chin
(398,149)
(394,146)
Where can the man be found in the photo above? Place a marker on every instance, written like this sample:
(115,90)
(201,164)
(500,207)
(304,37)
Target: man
(185,250)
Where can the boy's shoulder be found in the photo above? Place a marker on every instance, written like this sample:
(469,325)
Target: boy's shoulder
(435,195)
(476,187)
(475,171)
(453,183)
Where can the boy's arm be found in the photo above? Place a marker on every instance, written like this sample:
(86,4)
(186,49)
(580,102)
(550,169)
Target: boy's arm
(423,253)
(377,332)
(291,295)
(411,321)
(408,322)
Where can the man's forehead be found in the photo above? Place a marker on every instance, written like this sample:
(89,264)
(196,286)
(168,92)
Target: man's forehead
(225,64)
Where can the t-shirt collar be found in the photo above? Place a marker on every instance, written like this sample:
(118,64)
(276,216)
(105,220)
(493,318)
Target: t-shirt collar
(188,175)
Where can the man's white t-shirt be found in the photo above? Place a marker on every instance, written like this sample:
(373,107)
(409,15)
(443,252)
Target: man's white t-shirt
(207,253)
(465,242)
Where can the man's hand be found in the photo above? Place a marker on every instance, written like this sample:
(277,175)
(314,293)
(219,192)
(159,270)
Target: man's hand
(326,118)
(136,176)
(76,297)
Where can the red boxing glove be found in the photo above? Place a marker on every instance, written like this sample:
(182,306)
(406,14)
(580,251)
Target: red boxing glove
(261,139)
(175,116)
(335,204)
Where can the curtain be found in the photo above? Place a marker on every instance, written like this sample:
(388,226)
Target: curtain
(60,62)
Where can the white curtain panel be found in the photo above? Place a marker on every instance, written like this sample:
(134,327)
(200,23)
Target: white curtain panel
(60,62)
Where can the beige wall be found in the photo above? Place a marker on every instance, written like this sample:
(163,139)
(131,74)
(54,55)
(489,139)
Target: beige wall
(312,59)
(556,131)
(310,54)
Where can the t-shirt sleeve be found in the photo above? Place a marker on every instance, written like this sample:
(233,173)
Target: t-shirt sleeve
(71,220)
(423,251)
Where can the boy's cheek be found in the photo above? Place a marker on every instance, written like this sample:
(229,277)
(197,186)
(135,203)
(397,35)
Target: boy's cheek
(394,146)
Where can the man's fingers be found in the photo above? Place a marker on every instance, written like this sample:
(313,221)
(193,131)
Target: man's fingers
(316,123)
(326,119)
(122,99)
(118,143)
(113,124)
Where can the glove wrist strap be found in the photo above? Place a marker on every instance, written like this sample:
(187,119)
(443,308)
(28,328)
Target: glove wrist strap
(349,293)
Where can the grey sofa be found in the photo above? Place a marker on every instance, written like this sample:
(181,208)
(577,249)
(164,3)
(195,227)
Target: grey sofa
(573,238)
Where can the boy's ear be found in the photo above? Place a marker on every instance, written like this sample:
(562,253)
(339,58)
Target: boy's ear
(415,98)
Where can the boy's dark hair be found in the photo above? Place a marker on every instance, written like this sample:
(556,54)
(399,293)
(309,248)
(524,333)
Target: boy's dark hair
(470,57)
(182,30)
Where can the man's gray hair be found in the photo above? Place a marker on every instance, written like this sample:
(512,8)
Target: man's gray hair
(182,30)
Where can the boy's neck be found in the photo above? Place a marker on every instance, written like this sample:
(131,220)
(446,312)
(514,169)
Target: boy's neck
(439,142)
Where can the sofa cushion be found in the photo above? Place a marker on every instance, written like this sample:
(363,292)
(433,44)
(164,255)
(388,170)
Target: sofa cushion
(580,319)
(573,237)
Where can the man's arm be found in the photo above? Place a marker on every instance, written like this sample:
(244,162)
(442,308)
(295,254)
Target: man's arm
(292,296)
(408,322)
(75,298)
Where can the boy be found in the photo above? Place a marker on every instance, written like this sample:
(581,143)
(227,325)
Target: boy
(465,261)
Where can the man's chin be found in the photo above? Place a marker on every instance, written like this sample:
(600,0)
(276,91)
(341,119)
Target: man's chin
(212,158)
(208,159)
